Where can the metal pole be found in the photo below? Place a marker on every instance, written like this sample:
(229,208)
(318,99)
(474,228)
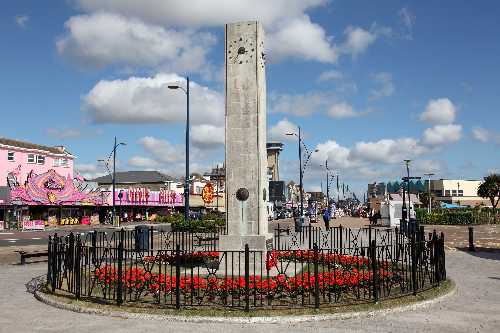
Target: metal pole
(327,189)
(114,183)
(300,181)
(186,181)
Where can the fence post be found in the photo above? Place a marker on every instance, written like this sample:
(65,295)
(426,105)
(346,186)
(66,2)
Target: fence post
(247,278)
(119,296)
(413,264)
(316,276)
(373,258)
(341,236)
(54,262)
(177,276)
(49,259)
(443,258)
(94,246)
(471,239)
(151,240)
(77,268)
(310,235)
(279,238)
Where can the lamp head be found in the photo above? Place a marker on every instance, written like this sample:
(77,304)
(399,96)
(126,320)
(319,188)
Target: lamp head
(173,87)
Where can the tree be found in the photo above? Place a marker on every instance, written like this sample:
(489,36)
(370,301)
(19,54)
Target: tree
(490,188)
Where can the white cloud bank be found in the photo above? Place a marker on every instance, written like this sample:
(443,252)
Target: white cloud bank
(148,100)
(439,112)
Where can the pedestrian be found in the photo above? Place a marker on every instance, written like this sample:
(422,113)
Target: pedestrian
(326,218)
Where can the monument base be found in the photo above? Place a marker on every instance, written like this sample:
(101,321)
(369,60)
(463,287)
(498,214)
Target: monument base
(238,242)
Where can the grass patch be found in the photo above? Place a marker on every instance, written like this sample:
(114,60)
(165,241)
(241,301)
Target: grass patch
(138,308)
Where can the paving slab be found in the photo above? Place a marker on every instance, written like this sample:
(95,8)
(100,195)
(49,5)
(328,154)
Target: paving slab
(475,307)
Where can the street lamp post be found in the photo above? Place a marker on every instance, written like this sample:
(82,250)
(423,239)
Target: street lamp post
(113,179)
(301,172)
(429,175)
(186,180)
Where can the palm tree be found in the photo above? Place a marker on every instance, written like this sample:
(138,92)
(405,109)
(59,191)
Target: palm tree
(490,188)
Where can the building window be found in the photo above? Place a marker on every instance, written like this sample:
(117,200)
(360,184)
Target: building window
(10,156)
(460,193)
(60,162)
(447,193)
(40,159)
(454,193)
(31,158)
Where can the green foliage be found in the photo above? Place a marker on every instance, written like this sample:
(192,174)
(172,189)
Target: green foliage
(461,216)
(490,189)
(208,223)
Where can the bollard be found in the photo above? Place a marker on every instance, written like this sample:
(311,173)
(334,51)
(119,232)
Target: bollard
(471,239)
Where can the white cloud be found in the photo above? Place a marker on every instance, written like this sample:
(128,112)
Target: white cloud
(442,134)
(207,136)
(300,104)
(22,20)
(439,111)
(481,134)
(90,171)
(199,13)
(143,163)
(357,40)
(385,86)
(103,39)
(64,133)
(387,150)
(407,19)
(289,29)
(278,132)
(148,100)
(337,155)
(162,151)
(331,75)
(342,110)
(484,135)
(301,38)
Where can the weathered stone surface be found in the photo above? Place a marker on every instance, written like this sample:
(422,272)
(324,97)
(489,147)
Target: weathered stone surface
(246,159)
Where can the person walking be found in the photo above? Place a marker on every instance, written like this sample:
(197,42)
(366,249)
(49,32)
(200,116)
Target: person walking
(326,218)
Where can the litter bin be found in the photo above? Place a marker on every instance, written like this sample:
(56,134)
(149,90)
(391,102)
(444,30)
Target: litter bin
(142,238)
(298,223)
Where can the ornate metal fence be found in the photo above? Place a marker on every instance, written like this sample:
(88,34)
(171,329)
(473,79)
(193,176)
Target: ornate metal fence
(125,275)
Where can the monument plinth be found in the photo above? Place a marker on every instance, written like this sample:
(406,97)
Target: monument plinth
(246,158)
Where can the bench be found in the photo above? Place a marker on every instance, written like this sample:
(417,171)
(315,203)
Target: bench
(36,254)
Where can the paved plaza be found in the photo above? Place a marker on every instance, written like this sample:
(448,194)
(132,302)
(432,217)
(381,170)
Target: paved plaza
(473,308)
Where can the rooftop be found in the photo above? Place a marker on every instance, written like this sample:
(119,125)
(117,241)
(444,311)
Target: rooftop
(135,177)
(29,145)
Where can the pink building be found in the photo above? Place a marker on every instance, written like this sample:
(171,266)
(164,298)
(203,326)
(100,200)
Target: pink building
(23,157)
(37,187)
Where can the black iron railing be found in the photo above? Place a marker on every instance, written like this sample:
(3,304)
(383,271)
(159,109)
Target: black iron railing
(120,274)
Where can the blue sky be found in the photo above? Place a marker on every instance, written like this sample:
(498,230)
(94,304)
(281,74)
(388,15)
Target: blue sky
(371,83)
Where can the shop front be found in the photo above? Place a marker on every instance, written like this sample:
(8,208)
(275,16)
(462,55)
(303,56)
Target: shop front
(141,203)
(50,199)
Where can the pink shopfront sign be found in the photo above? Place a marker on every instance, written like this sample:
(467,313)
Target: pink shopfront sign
(34,225)
(146,197)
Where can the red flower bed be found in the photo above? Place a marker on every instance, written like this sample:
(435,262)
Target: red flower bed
(138,280)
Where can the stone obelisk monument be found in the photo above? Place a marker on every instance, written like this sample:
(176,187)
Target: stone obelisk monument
(246,159)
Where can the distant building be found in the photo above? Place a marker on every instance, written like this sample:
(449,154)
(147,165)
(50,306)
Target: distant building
(457,191)
(376,190)
(273,153)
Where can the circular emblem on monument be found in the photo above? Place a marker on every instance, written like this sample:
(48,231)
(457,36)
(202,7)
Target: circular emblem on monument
(242,194)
